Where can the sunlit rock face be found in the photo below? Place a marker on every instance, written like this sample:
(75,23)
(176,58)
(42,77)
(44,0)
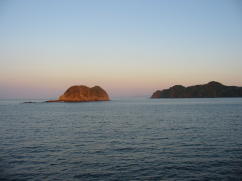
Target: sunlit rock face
(81,93)
(210,90)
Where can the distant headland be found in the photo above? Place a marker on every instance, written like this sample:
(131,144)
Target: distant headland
(81,93)
(212,89)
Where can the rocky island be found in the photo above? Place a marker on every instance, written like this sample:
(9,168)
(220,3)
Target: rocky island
(81,93)
(210,90)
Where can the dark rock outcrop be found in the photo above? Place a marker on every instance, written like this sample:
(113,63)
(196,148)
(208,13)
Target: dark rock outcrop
(83,94)
(210,90)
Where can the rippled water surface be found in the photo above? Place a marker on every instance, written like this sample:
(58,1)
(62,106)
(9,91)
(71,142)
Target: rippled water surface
(138,139)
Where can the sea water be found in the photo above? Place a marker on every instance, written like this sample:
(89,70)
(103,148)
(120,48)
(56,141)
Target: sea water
(123,139)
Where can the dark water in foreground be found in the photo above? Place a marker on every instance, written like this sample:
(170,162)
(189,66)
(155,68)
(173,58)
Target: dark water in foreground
(163,139)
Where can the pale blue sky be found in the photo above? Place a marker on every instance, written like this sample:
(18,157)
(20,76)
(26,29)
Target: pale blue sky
(130,47)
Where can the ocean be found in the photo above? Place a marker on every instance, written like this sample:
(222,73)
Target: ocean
(123,139)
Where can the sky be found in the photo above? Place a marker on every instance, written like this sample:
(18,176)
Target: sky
(128,47)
